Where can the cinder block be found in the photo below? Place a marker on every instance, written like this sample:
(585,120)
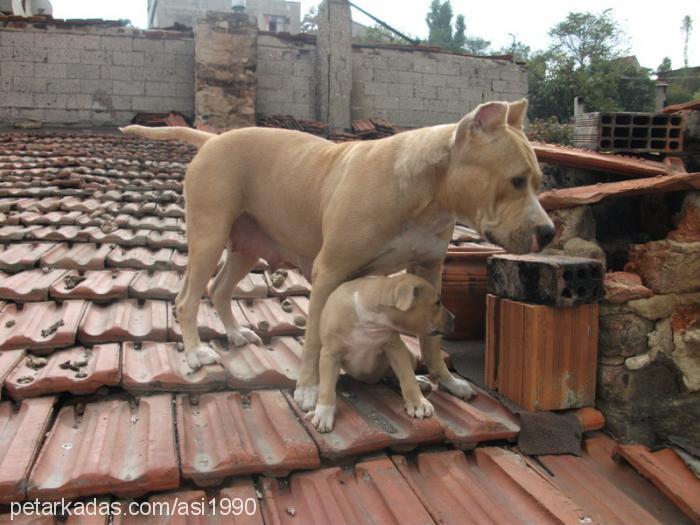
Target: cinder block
(95,86)
(28,113)
(542,357)
(377,88)
(128,87)
(128,58)
(17,100)
(385,75)
(64,85)
(149,45)
(411,103)
(456,82)
(434,80)
(62,116)
(425,92)
(50,70)
(425,65)
(30,54)
(17,69)
(50,100)
(386,102)
(116,43)
(64,56)
(83,41)
(410,78)
(29,85)
(16,38)
(115,72)
(541,279)
(54,40)
(179,47)
(159,89)
(499,86)
(97,56)
(446,93)
(83,71)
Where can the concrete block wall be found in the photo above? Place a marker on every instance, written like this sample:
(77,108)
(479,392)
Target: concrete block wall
(286,76)
(92,75)
(420,88)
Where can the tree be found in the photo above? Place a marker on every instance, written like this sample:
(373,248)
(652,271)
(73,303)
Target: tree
(586,59)
(665,65)
(309,24)
(440,32)
(377,33)
(686,28)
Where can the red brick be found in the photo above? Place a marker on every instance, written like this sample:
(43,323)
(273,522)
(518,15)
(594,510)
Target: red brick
(621,287)
(227,433)
(126,320)
(102,368)
(41,327)
(667,266)
(114,447)
(161,366)
(21,434)
(371,492)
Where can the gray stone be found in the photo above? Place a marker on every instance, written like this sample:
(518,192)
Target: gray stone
(623,334)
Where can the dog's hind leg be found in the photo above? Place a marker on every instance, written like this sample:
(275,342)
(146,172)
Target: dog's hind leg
(237,265)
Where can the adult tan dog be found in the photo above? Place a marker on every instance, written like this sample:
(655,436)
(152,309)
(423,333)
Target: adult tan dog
(360,327)
(340,211)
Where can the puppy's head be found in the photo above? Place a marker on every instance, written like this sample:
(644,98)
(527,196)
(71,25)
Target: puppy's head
(412,306)
(493,178)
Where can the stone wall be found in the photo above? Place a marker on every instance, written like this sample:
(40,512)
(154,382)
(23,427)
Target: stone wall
(410,87)
(63,74)
(286,75)
(649,345)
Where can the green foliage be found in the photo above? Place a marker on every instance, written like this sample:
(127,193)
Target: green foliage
(683,85)
(441,34)
(377,33)
(552,131)
(665,65)
(686,29)
(585,59)
(309,24)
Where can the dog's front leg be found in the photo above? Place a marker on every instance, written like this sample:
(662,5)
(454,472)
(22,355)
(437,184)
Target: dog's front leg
(430,345)
(306,392)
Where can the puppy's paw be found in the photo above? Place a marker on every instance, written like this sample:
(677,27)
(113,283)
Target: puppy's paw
(423,408)
(322,417)
(306,397)
(457,387)
(250,336)
(200,356)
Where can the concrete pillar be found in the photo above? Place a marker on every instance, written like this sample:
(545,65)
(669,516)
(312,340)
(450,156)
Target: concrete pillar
(225,52)
(334,63)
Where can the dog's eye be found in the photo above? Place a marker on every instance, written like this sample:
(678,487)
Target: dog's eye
(518,182)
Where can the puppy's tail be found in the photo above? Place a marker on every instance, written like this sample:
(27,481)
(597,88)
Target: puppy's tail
(192,136)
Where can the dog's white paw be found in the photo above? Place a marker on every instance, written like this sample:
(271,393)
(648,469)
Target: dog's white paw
(423,408)
(457,387)
(250,336)
(306,397)
(322,417)
(200,356)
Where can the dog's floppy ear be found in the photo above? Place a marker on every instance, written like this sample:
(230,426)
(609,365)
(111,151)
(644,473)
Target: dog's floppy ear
(486,118)
(404,294)
(516,113)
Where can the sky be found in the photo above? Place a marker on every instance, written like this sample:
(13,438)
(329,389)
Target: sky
(653,28)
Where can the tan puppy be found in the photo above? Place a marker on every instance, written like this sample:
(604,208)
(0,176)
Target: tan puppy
(341,211)
(360,327)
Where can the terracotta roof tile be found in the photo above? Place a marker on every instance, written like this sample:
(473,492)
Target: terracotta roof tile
(208,323)
(31,285)
(154,223)
(76,370)
(274,316)
(163,366)
(369,418)
(178,261)
(127,320)
(53,218)
(121,237)
(117,447)
(79,256)
(21,434)
(39,205)
(9,359)
(371,492)
(490,485)
(167,239)
(16,232)
(97,286)
(287,282)
(24,256)
(60,233)
(592,488)
(140,258)
(81,205)
(468,423)
(667,471)
(228,433)
(252,286)
(155,285)
(275,365)
(41,327)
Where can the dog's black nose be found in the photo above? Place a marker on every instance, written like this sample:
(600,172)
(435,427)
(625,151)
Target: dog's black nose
(545,234)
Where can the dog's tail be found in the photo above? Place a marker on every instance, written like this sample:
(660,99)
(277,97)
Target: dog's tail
(192,136)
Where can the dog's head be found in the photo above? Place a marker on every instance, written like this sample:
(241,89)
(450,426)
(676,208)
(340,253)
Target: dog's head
(412,306)
(493,177)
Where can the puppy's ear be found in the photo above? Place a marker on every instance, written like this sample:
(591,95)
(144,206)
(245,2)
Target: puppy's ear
(516,113)
(485,118)
(404,294)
